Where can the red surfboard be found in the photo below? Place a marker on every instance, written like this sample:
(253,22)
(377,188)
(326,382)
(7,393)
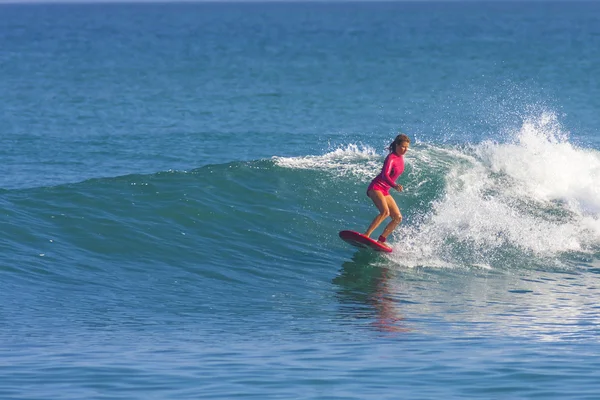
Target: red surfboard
(359,240)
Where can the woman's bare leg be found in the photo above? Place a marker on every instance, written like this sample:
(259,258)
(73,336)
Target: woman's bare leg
(394,213)
(382,205)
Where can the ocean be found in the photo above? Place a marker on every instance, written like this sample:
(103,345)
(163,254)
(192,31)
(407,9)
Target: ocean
(176,175)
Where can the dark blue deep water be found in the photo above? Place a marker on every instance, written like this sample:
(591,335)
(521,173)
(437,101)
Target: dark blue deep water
(175,177)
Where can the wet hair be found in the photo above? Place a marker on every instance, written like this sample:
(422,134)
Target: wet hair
(401,138)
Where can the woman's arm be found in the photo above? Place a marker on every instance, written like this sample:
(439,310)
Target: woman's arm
(386,171)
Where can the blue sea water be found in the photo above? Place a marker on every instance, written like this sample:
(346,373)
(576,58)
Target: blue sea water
(175,177)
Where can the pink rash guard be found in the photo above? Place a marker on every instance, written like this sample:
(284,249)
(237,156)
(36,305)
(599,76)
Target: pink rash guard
(393,167)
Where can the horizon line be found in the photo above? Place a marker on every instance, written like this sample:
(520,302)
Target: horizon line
(58,2)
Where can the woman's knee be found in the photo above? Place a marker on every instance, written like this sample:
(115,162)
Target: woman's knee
(397,218)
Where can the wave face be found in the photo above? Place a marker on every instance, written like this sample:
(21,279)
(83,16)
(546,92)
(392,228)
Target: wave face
(528,202)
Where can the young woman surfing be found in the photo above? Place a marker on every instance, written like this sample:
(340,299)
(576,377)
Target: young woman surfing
(379,189)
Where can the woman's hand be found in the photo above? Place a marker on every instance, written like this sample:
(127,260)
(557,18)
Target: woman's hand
(398,188)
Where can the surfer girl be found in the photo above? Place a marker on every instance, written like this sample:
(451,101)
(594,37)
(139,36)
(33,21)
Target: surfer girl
(379,189)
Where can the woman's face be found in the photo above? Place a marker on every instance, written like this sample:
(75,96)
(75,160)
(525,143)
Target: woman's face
(402,148)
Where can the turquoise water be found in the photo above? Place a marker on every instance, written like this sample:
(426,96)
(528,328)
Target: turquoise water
(176,176)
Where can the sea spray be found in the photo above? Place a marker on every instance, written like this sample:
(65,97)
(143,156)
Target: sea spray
(534,195)
(355,160)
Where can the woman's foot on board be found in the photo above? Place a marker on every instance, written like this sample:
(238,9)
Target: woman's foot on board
(381,240)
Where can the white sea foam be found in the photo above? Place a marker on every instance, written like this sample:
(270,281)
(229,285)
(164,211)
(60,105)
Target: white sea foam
(545,166)
(356,160)
(538,193)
